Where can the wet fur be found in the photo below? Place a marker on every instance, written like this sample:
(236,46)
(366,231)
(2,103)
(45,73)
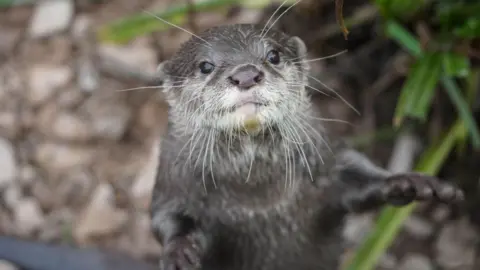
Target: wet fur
(273,200)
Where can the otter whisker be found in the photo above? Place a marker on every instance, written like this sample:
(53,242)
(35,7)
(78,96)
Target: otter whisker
(308,125)
(299,147)
(151,87)
(273,15)
(176,26)
(139,88)
(335,92)
(184,147)
(287,165)
(302,127)
(309,86)
(327,119)
(193,146)
(250,169)
(212,156)
(278,18)
(321,58)
(205,159)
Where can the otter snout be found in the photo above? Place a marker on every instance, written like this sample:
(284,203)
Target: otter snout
(247,76)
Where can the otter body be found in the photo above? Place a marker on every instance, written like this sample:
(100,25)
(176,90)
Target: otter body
(267,220)
(230,195)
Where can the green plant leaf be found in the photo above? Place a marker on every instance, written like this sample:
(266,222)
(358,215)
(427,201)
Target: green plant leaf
(455,64)
(128,28)
(398,33)
(391,219)
(418,91)
(400,8)
(454,14)
(470,29)
(463,109)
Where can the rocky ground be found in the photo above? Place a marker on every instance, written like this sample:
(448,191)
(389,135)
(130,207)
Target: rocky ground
(75,152)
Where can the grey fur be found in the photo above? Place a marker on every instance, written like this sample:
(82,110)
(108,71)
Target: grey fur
(272,200)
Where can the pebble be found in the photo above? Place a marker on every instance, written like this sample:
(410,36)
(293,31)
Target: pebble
(357,227)
(109,118)
(416,262)
(8,123)
(145,180)
(100,217)
(455,245)
(51,17)
(9,39)
(45,80)
(70,126)
(419,227)
(28,216)
(88,77)
(12,196)
(57,158)
(8,164)
(136,56)
(4,265)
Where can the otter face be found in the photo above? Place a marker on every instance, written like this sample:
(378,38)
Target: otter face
(235,78)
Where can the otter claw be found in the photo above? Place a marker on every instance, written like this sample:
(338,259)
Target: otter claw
(180,254)
(402,189)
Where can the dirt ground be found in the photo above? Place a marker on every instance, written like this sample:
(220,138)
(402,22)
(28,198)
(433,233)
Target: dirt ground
(75,151)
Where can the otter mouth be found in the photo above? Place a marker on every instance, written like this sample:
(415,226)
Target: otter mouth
(248,108)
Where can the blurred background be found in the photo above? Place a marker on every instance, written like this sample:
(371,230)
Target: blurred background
(75,150)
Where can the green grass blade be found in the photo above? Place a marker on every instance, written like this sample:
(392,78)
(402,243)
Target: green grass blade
(470,29)
(398,33)
(128,28)
(418,91)
(391,219)
(463,109)
(455,64)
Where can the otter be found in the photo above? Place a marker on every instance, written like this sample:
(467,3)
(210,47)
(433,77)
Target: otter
(248,178)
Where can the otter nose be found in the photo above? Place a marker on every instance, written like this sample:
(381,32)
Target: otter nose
(247,76)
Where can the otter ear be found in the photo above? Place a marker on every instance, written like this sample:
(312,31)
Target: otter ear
(299,46)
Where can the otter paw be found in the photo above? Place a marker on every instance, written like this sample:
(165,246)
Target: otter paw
(181,253)
(401,189)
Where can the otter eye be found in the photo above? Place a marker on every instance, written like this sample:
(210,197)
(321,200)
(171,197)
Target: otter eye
(206,67)
(273,57)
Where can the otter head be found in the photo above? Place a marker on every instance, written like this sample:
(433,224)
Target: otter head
(235,77)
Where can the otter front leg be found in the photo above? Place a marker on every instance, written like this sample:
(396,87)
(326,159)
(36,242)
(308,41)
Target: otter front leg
(364,186)
(183,242)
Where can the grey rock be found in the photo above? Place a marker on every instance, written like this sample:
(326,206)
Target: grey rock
(416,262)
(455,246)
(70,126)
(419,227)
(58,158)
(8,123)
(109,118)
(28,216)
(9,39)
(51,17)
(45,80)
(7,266)
(388,261)
(357,227)
(8,163)
(87,75)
